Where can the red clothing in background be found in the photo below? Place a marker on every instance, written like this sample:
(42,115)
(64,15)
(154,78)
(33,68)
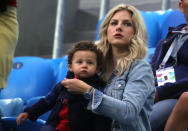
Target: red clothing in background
(12,3)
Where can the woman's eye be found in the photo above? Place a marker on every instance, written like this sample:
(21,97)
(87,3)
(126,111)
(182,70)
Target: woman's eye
(114,23)
(127,24)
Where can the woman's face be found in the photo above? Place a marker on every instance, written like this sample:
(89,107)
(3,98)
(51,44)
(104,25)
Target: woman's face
(120,29)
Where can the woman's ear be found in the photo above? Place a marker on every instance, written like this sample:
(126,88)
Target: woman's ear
(70,67)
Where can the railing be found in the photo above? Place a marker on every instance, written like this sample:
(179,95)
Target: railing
(165,4)
(105,5)
(59,29)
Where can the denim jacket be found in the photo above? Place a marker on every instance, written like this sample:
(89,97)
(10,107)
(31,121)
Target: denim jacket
(128,99)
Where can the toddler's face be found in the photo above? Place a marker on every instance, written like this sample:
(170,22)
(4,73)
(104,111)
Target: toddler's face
(84,64)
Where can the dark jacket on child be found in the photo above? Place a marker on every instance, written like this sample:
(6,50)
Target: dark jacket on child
(180,64)
(80,119)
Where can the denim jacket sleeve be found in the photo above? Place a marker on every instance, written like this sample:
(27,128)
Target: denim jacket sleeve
(136,95)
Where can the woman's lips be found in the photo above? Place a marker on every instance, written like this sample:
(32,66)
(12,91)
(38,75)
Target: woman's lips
(118,36)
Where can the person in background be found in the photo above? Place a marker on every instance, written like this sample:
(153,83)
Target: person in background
(69,111)
(129,95)
(178,119)
(8,38)
(171,59)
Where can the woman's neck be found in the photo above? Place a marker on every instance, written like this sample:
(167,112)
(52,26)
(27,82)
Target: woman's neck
(118,52)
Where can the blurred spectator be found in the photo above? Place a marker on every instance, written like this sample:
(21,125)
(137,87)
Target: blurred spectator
(8,38)
(178,120)
(170,65)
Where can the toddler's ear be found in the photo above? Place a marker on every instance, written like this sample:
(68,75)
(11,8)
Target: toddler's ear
(70,67)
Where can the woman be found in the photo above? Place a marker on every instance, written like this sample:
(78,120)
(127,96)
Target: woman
(129,94)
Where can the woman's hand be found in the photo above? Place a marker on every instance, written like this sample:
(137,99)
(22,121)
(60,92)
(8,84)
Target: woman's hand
(21,118)
(75,86)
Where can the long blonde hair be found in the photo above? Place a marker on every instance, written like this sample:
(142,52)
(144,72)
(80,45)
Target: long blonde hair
(137,46)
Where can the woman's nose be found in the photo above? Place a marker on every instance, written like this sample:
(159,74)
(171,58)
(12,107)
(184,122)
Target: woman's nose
(118,28)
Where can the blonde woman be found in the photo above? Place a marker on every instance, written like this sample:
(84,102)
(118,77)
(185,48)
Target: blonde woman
(129,93)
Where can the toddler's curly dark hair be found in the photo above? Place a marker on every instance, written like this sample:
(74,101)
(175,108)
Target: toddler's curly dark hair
(86,46)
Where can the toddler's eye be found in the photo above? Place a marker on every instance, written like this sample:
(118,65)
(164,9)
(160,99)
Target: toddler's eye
(90,62)
(79,62)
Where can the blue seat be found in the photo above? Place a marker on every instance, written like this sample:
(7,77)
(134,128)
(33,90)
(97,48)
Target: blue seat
(9,124)
(11,107)
(150,54)
(30,77)
(160,15)
(97,29)
(60,68)
(152,26)
(173,18)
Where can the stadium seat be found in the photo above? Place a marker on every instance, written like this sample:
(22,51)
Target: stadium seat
(97,29)
(150,54)
(62,69)
(9,124)
(11,107)
(152,26)
(160,15)
(173,18)
(30,77)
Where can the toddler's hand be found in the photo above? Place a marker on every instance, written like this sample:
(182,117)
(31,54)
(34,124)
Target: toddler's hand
(21,118)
